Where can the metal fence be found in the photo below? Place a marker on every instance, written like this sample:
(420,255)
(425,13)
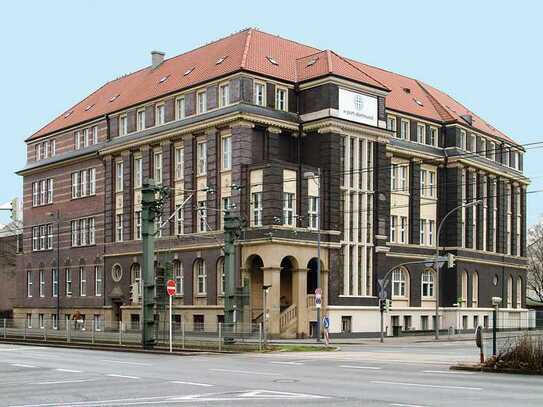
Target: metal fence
(193,336)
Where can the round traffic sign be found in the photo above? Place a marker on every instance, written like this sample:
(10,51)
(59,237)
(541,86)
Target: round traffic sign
(170,287)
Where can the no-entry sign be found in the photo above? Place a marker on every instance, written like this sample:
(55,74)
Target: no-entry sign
(170,287)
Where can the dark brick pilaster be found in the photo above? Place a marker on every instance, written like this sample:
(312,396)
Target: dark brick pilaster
(167,177)
(109,199)
(414,202)
(189,147)
(127,195)
(213,176)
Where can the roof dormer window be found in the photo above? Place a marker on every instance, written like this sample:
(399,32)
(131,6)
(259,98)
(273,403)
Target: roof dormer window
(221,60)
(272,61)
(312,61)
(164,79)
(114,97)
(67,114)
(188,71)
(89,107)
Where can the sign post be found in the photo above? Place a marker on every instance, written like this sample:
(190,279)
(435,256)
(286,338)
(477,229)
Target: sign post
(170,288)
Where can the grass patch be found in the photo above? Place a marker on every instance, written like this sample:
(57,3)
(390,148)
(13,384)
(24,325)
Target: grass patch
(302,348)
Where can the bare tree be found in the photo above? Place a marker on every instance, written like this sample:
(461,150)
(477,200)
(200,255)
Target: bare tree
(535,262)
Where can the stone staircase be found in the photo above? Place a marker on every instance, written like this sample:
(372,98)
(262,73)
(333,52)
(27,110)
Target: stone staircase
(288,322)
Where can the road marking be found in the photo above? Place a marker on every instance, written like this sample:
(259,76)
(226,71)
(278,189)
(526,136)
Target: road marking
(68,370)
(406,405)
(425,385)
(126,363)
(192,383)
(361,367)
(245,372)
(123,376)
(447,372)
(91,403)
(21,365)
(66,381)
(287,363)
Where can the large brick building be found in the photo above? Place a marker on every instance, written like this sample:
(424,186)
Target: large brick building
(250,115)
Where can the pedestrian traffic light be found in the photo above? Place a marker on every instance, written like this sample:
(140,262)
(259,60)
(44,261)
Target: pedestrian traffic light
(451,258)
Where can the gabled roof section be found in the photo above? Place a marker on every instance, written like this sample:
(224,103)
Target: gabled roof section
(329,63)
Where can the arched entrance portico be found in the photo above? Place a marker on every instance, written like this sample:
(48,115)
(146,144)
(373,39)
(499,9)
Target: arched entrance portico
(255,273)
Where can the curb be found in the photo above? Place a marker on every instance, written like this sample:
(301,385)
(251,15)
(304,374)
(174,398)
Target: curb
(479,368)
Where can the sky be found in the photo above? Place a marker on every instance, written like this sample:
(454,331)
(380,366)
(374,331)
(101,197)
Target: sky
(486,54)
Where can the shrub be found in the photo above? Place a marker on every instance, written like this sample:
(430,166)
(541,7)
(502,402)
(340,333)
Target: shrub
(524,353)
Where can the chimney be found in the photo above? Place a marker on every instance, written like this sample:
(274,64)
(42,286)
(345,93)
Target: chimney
(157,57)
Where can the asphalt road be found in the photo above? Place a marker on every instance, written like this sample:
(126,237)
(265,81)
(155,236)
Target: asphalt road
(394,374)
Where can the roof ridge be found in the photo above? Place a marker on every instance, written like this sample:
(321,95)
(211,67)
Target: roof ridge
(440,109)
(246,48)
(360,70)
(287,39)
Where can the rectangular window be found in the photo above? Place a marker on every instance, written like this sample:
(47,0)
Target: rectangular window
(463,139)
(288,209)
(76,192)
(138,171)
(227,153)
(260,93)
(86,139)
(83,177)
(98,281)
(92,231)
(98,322)
(224,95)
(43,192)
(43,237)
(179,162)
(281,99)
(491,151)
(423,231)
(137,221)
(403,178)
(82,282)
(83,232)
(46,147)
(54,281)
(403,229)
(391,124)
(393,220)
(140,120)
(159,114)
(77,140)
(119,228)
(41,321)
(256,201)
(423,175)
(313,212)
(157,160)
(421,133)
(29,283)
(483,147)
(42,283)
(431,184)
(29,320)
(35,194)
(201,102)
(119,176)
(68,274)
(35,238)
(123,125)
(49,236)
(431,137)
(180,108)
(202,215)
(404,129)
(92,181)
(201,153)
(94,131)
(54,321)
(178,220)
(431,224)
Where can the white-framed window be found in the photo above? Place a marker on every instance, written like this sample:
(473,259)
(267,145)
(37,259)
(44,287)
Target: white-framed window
(260,93)
(391,124)
(507,156)
(35,194)
(393,223)
(428,283)
(178,220)
(94,131)
(138,172)
(288,209)
(201,102)
(463,139)
(86,138)
(201,276)
(313,212)
(119,227)
(123,125)
(471,143)
(226,203)
(201,154)
(179,162)
(49,190)
(405,129)
(403,229)
(399,283)
(159,114)
(421,133)
(431,137)
(157,160)
(220,277)
(202,215)
(137,225)
(180,108)
(423,176)
(475,289)
(256,203)
(423,231)
(77,141)
(92,181)
(509,292)
(178,273)
(68,282)
(98,322)
(119,176)
(43,237)
(98,281)
(82,282)
(41,321)
(483,147)
(224,95)
(140,120)
(49,244)
(431,226)
(29,320)
(54,321)
(83,177)
(431,184)
(519,292)
(29,283)
(158,223)
(76,191)
(226,153)
(54,281)
(491,151)
(43,191)
(92,231)
(281,96)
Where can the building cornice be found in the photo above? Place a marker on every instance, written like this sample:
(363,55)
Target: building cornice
(335,125)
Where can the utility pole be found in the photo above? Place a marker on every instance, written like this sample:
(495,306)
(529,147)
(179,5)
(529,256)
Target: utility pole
(151,206)
(232,229)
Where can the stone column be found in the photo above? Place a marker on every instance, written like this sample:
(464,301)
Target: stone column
(272,276)
(299,290)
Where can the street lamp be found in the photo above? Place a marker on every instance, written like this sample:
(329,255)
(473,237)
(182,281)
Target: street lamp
(311,174)
(436,260)
(265,312)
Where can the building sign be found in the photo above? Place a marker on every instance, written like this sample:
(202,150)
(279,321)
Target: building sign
(357,107)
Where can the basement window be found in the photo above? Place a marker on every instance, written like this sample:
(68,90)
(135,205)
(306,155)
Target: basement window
(221,60)
(312,62)
(188,71)
(272,61)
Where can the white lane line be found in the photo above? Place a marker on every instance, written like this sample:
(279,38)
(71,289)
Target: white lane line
(126,363)
(360,367)
(139,400)
(66,381)
(287,363)
(68,370)
(245,372)
(447,372)
(123,376)
(192,383)
(21,365)
(425,385)
(406,405)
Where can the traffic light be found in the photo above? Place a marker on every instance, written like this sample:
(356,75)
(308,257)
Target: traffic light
(388,304)
(382,305)
(451,258)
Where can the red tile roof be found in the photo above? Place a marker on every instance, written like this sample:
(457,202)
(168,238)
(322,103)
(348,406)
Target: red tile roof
(266,54)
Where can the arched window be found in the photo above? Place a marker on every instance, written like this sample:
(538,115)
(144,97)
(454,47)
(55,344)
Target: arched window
(428,283)
(399,283)
(475,290)
(509,292)
(199,271)
(178,272)
(220,276)
(135,273)
(464,298)
(519,292)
